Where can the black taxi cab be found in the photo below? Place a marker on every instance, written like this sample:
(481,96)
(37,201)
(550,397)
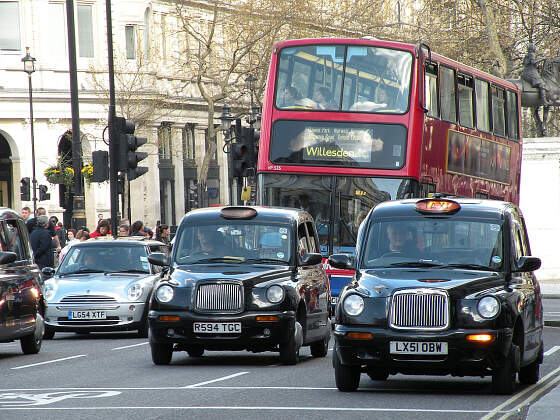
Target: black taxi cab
(442,286)
(241,278)
(22,305)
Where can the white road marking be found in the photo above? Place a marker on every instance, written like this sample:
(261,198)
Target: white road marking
(216,380)
(551,350)
(132,345)
(498,409)
(50,361)
(343,409)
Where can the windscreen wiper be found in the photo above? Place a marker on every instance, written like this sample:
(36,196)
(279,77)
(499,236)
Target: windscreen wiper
(127,271)
(468,266)
(266,260)
(218,259)
(415,264)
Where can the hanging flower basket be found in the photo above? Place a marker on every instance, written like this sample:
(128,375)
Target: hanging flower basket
(87,173)
(59,175)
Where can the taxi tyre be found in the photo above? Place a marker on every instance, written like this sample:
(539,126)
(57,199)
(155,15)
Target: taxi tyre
(289,351)
(49,333)
(347,378)
(320,348)
(161,353)
(504,378)
(529,375)
(31,344)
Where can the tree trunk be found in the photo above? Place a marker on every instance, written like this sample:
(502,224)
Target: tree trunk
(501,69)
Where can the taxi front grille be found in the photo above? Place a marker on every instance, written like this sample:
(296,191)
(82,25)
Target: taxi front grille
(219,297)
(423,309)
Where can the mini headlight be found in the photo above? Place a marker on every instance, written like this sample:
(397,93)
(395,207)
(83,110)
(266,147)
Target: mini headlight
(275,294)
(135,291)
(164,293)
(48,290)
(353,305)
(488,307)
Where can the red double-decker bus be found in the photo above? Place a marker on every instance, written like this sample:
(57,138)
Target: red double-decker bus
(349,123)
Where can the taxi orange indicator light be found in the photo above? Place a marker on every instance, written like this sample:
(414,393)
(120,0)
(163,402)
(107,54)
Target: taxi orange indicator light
(480,338)
(168,318)
(359,335)
(437,206)
(238,213)
(267,318)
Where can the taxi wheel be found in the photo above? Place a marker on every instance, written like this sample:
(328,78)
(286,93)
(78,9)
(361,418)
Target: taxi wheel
(347,378)
(289,351)
(529,374)
(31,344)
(49,333)
(161,353)
(320,348)
(504,378)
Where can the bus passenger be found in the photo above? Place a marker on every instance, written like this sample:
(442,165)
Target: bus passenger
(323,98)
(291,96)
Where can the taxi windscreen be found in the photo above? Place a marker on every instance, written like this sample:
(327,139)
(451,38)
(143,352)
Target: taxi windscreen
(445,242)
(233,241)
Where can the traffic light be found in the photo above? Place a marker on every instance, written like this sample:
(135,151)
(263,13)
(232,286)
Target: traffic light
(25,189)
(43,193)
(100,160)
(128,143)
(239,154)
(194,196)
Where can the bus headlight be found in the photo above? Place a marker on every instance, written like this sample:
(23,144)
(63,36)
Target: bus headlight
(164,293)
(488,307)
(275,294)
(353,305)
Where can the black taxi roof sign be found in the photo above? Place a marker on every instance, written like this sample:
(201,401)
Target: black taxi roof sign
(238,213)
(437,206)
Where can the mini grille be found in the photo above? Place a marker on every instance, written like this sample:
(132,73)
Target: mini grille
(88,299)
(420,309)
(220,297)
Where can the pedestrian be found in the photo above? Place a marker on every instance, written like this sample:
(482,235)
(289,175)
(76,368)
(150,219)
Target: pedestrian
(70,240)
(25,213)
(103,229)
(137,229)
(162,234)
(82,235)
(124,230)
(41,243)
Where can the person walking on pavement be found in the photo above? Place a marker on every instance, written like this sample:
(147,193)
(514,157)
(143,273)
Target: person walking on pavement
(41,243)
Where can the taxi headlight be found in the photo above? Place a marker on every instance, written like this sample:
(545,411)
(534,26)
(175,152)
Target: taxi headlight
(164,293)
(353,305)
(275,294)
(488,307)
(135,291)
(48,290)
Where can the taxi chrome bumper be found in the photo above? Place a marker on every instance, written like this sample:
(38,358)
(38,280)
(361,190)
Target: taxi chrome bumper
(258,329)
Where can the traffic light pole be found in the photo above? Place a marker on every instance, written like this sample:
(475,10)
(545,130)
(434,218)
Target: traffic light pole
(113,145)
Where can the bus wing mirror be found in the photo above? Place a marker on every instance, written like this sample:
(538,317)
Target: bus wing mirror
(423,62)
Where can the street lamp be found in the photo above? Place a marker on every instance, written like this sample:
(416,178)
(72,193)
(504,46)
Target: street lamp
(29,68)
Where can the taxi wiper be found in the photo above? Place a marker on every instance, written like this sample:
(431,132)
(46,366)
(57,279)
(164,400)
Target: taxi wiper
(415,264)
(127,271)
(468,266)
(266,260)
(87,270)
(218,259)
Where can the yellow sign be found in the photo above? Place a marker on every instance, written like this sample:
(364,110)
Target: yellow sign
(359,192)
(246,193)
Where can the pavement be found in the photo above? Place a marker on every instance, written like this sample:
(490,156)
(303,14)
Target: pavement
(548,406)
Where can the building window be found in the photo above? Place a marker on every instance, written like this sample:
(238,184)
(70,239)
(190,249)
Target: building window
(147,23)
(85,30)
(57,31)
(188,142)
(164,140)
(130,38)
(10,39)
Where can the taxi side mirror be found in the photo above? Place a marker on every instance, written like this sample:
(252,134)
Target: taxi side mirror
(528,264)
(7,257)
(159,258)
(311,258)
(343,261)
